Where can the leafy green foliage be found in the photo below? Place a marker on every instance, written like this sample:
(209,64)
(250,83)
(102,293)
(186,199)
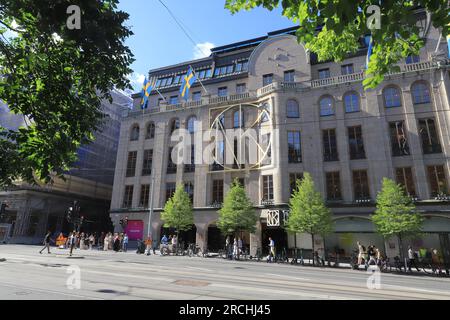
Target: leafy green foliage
(237,213)
(332,29)
(395,214)
(56,78)
(308,212)
(178,211)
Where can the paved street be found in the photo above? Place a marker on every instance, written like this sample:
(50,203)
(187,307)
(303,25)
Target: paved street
(26,274)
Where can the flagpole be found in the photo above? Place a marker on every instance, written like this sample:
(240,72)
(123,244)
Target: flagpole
(193,71)
(161,95)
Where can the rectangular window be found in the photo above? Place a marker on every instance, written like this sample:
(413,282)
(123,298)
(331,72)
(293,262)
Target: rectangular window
(330,152)
(241,66)
(404,177)
(333,186)
(324,73)
(361,185)
(196,96)
(177,79)
(294,147)
(170,190)
(222,92)
(173,100)
(347,69)
(399,143)
(412,59)
(230,69)
(267,188)
(438,182)
(293,177)
(171,166)
(189,188)
(429,137)
(267,79)
(131,163)
(147,163)
(128,197)
(356,143)
(145,192)
(217,196)
(190,167)
(241,88)
(289,76)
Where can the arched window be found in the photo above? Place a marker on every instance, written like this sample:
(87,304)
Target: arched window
(420,93)
(191,124)
(351,102)
(238,119)
(391,96)
(134,133)
(150,133)
(326,106)
(292,109)
(174,125)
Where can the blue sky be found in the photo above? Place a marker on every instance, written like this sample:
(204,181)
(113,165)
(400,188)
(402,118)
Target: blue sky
(158,41)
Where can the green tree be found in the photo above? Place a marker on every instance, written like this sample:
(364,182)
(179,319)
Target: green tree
(395,214)
(178,211)
(56,78)
(332,29)
(237,213)
(308,212)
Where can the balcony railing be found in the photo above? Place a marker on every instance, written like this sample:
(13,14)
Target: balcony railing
(274,86)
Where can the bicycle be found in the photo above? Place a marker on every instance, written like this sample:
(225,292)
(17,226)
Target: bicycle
(258,256)
(283,257)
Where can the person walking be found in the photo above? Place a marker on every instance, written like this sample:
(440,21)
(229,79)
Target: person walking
(72,241)
(412,259)
(371,252)
(47,240)
(174,243)
(148,246)
(91,241)
(271,250)
(125,243)
(361,253)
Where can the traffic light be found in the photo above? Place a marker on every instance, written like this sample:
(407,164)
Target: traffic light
(70,214)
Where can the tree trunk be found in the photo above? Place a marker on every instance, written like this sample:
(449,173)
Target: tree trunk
(313,251)
(400,247)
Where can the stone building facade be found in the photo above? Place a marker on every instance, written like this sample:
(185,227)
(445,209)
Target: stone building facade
(32,210)
(321,121)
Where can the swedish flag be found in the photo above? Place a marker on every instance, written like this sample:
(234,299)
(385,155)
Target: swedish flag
(187,82)
(146,89)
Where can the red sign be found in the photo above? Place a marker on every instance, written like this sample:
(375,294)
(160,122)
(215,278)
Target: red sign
(135,229)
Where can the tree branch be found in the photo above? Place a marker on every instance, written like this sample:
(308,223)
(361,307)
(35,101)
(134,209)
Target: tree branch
(9,27)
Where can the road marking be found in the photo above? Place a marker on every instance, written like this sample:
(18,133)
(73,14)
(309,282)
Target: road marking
(287,277)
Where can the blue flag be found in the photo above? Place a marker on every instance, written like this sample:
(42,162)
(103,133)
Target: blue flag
(188,81)
(369,52)
(448,45)
(146,89)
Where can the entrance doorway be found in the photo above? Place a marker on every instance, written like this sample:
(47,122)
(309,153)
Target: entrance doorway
(279,235)
(185,237)
(216,240)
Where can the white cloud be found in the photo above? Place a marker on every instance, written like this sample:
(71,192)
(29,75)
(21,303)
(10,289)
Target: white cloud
(202,50)
(136,79)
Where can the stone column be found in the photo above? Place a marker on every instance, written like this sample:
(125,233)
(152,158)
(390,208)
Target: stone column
(255,239)
(201,237)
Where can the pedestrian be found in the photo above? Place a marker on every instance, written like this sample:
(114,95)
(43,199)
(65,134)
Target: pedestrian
(72,241)
(271,250)
(372,255)
(110,241)
(101,240)
(125,243)
(148,246)
(174,243)
(412,259)
(116,244)
(235,248)
(227,247)
(239,246)
(46,243)
(91,241)
(106,242)
(361,253)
